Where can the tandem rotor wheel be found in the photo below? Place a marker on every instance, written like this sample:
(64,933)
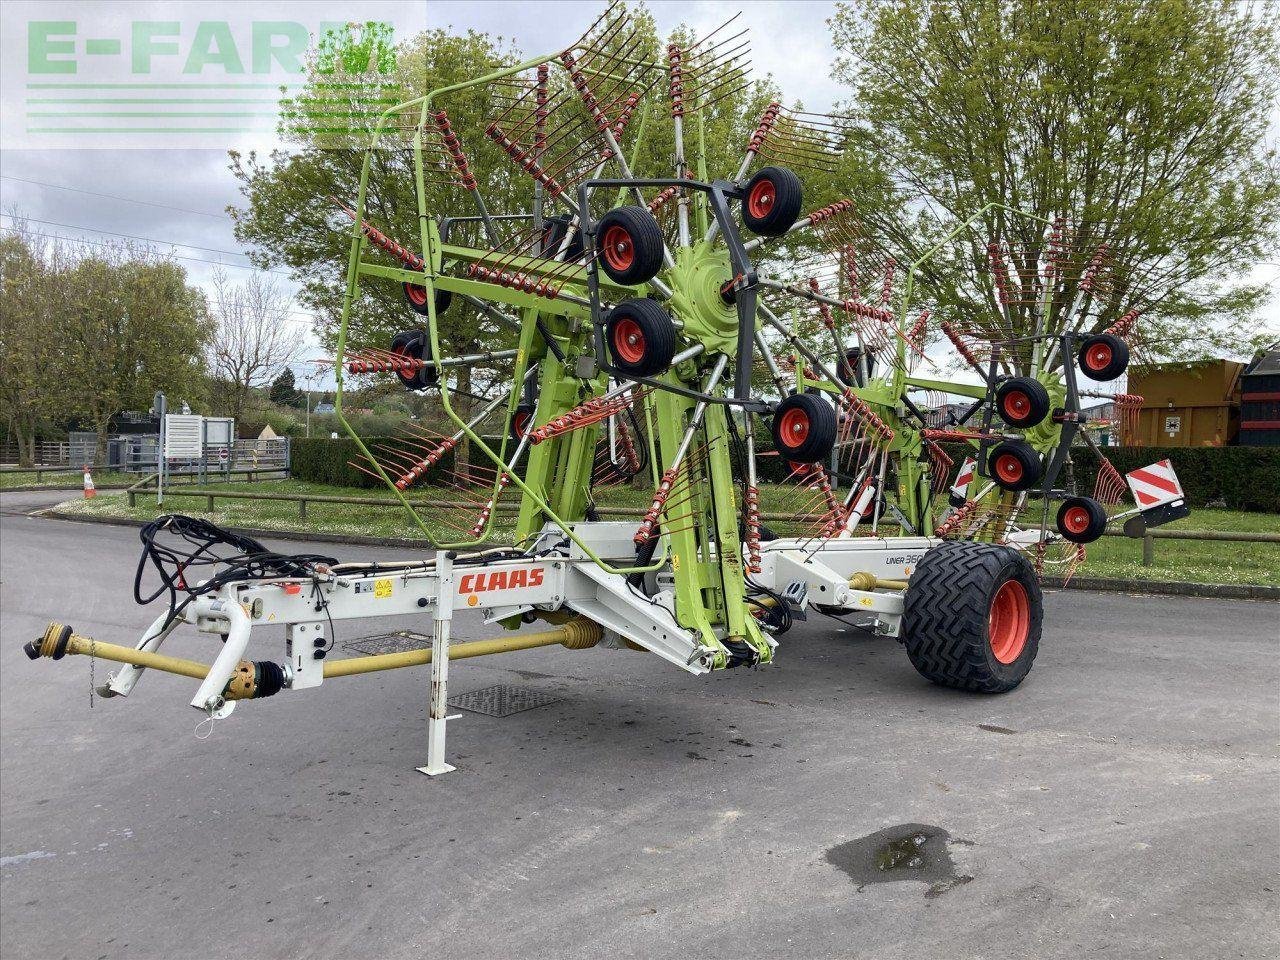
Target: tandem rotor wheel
(1103,357)
(641,337)
(804,428)
(416,297)
(772,202)
(630,244)
(416,345)
(1015,465)
(1022,401)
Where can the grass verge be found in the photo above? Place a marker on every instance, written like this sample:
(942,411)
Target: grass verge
(71,478)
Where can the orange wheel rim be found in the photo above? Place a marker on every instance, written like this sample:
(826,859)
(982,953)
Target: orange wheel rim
(1017,405)
(1009,468)
(1009,622)
(619,252)
(794,428)
(1099,356)
(417,294)
(628,341)
(1076,520)
(760,200)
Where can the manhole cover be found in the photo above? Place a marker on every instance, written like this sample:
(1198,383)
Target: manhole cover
(501,700)
(401,641)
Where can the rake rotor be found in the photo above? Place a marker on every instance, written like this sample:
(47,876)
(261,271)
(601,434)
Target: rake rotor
(664,315)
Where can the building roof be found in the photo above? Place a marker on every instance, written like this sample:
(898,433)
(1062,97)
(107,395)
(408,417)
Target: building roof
(1266,363)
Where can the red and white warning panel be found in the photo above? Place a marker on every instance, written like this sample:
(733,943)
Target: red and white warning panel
(1154,485)
(964,476)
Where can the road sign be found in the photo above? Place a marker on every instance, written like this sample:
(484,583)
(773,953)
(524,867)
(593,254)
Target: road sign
(183,436)
(1154,485)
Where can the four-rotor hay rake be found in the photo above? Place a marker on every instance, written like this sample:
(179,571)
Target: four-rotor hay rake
(662,326)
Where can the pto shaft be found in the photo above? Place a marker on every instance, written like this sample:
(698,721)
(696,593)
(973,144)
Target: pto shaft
(264,678)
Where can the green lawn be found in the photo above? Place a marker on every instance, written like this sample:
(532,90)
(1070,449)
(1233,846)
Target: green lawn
(1186,560)
(1195,561)
(70,478)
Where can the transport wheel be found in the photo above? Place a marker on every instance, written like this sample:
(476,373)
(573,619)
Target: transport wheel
(553,231)
(630,244)
(772,202)
(641,337)
(415,344)
(1104,357)
(1014,465)
(804,428)
(1022,401)
(417,299)
(972,616)
(1081,519)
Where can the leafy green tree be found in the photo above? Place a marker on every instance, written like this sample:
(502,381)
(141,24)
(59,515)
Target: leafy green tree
(89,336)
(32,374)
(131,326)
(1144,121)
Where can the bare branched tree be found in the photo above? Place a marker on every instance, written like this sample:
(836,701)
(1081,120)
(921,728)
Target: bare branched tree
(254,340)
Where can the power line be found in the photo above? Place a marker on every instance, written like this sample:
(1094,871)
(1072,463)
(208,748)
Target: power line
(176,256)
(110,196)
(129,236)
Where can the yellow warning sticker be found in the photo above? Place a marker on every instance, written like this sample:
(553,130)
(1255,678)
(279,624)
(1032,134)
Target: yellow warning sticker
(382,589)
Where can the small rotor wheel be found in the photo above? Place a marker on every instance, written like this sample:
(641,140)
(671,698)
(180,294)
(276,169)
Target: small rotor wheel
(1103,357)
(804,428)
(850,363)
(630,243)
(771,201)
(1081,519)
(1014,465)
(554,230)
(641,337)
(415,345)
(521,421)
(1022,401)
(416,296)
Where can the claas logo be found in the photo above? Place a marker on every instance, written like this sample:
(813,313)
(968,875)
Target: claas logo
(501,580)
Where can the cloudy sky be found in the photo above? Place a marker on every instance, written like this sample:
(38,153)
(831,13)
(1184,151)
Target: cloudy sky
(97,184)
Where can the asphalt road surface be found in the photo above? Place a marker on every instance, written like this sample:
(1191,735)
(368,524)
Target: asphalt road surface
(1124,802)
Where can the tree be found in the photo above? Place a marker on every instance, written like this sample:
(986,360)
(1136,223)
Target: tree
(1143,120)
(284,389)
(32,385)
(254,338)
(89,335)
(130,326)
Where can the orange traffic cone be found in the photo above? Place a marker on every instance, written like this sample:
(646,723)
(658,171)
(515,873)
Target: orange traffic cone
(89,491)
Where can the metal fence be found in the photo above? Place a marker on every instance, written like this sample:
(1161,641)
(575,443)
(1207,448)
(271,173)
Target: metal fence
(139,453)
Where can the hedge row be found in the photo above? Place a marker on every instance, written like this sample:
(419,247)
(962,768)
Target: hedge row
(322,460)
(1244,478)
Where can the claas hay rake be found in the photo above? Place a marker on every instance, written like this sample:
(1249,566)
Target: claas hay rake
(681,333)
